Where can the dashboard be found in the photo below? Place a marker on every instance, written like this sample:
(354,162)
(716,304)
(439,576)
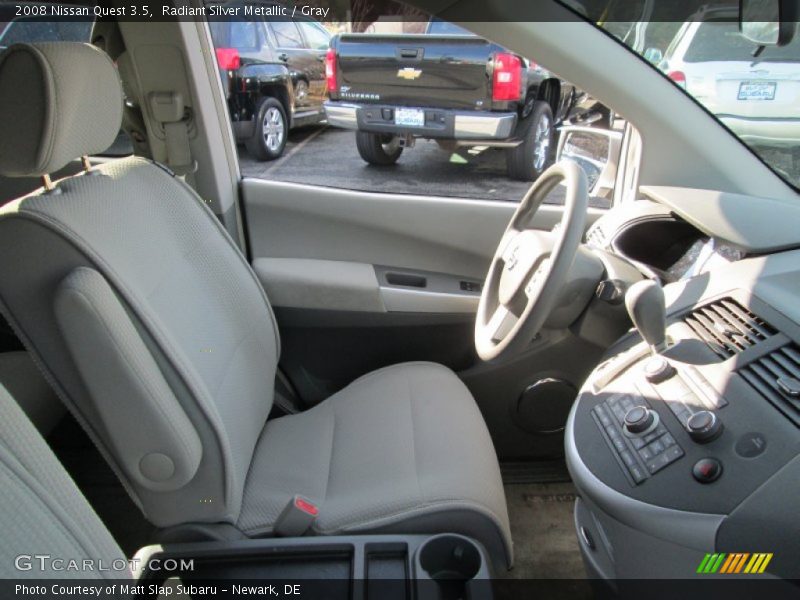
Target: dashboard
(696,450)
(660,243)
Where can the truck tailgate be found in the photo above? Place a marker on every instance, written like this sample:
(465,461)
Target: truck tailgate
(415,70)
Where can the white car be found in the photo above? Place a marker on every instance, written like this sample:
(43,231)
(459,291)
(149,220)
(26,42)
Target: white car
(757,97)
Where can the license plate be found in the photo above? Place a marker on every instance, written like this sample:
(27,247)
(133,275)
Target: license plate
(409,117)
(757,90)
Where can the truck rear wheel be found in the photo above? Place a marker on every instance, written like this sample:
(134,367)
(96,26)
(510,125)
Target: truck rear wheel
(378,148)
(270,131)
(532,157)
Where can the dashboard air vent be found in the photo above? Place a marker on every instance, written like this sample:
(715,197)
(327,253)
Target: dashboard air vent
(777,377)
(727,327)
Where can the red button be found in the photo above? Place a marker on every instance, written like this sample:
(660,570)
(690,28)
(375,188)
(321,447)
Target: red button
(306,506)
(707,470)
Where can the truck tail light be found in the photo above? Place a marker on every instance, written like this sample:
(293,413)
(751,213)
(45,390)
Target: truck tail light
(678,77)
(228,59)
(507,79)
(330,71)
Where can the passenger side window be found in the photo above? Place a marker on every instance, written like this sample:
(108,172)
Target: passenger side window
(286,34)
(419,125)
(316,38)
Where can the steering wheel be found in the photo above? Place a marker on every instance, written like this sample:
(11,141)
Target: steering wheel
(530,267)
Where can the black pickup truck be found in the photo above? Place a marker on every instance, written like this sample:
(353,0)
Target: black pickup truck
(448,85)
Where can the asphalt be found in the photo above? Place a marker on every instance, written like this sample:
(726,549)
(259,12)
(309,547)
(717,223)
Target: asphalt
(327,156)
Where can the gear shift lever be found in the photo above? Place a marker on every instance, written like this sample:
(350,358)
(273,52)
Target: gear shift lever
(645,303)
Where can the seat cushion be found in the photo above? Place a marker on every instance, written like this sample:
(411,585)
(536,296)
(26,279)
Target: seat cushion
(401,450)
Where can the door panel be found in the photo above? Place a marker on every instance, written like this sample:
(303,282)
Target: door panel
(440,235)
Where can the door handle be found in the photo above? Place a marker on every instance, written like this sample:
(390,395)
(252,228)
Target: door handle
(410,53)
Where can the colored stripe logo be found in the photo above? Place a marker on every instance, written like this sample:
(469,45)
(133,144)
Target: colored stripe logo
(734,563)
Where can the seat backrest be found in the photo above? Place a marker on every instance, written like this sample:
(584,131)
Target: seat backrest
(43,516)
(124,286)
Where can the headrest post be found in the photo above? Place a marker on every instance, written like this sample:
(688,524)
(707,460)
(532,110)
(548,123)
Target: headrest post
(85,162)
(47,183)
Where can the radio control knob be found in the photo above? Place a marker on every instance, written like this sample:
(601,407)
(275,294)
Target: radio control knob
(704,426)
(639,419)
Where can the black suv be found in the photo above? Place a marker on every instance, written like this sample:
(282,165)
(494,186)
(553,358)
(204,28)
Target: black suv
(274,75)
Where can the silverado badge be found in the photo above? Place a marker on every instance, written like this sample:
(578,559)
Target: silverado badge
(409,73)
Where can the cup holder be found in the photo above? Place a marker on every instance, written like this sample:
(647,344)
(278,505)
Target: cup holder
(450,558)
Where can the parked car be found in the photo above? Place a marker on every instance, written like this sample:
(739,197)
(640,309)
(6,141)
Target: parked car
(449,85)
(758,97)
(273,73)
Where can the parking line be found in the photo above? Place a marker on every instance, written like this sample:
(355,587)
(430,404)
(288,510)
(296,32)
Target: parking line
(292,152)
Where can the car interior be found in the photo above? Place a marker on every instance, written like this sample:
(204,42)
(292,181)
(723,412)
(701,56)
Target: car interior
(291,381)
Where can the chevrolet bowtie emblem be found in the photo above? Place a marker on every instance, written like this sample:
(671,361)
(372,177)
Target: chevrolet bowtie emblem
(409,73)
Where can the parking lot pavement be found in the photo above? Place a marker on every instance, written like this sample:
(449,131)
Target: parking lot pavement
(328,156)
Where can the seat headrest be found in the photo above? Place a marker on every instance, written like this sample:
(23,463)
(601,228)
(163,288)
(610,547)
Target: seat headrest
(58,101)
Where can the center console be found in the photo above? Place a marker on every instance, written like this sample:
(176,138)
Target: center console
(337,567)
(688,445)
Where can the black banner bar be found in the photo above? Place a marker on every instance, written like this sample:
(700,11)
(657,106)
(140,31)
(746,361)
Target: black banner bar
(339,11)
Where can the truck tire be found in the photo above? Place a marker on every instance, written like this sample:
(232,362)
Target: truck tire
(532,157)
(270,131)
(378,148)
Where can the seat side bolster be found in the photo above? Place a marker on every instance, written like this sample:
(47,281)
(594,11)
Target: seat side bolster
(154,440)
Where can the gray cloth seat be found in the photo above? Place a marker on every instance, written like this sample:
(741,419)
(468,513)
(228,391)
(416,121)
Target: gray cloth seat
(43,512)
(157,335)
(400,449)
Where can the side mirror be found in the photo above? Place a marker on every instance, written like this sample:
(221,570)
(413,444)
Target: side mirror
(596,151)
(768,22)
(653,55)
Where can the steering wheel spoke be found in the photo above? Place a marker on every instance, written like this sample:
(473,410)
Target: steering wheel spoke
(501,323)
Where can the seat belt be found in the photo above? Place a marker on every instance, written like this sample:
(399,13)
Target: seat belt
(167,109)
(296,518)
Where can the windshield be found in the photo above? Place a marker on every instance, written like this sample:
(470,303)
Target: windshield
(756,96)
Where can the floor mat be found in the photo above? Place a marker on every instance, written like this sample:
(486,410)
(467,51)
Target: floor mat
(545,544)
